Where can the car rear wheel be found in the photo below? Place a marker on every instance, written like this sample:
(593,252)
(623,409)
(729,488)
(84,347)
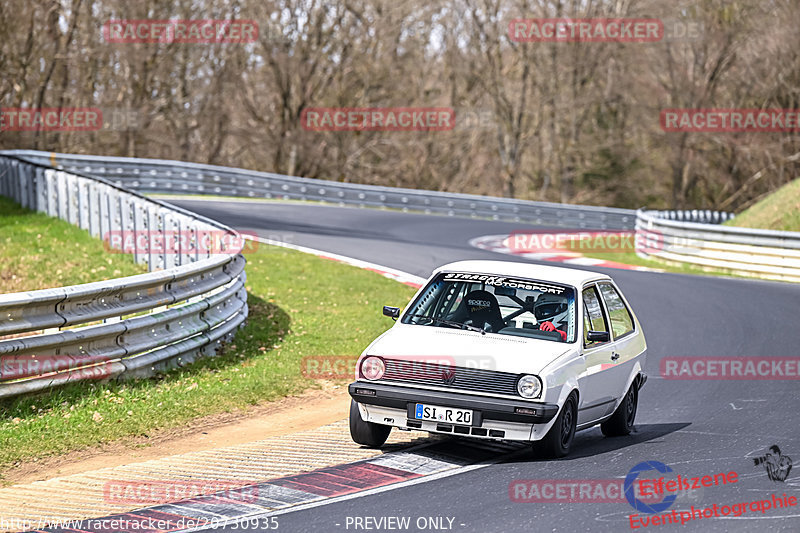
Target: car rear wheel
(558,440)
(366,433)
(621,422)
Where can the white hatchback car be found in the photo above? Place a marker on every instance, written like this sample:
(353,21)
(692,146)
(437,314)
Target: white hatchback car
(503,350)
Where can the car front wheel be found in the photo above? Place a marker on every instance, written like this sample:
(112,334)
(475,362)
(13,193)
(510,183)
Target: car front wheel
(366,433)
(558,440)
(621,422)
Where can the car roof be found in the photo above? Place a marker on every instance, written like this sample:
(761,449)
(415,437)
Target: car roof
(568,276)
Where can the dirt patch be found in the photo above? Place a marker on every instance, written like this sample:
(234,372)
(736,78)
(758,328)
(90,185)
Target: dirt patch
(308,410)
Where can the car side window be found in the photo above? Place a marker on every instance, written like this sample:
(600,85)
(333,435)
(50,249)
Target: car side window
(594,319)
(621,319)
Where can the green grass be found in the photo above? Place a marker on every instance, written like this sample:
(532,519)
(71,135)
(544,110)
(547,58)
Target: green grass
(300,306)
(41,252)
(778,211)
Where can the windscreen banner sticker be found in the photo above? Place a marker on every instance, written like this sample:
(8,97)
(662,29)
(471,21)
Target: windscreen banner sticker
(502,281)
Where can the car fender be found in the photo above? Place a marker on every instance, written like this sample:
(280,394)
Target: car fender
(636,370)
(560,374)
(565,389)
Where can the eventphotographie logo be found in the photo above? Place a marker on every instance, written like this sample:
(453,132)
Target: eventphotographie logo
(644,505)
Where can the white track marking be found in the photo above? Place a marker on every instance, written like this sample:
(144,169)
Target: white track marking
(361,494)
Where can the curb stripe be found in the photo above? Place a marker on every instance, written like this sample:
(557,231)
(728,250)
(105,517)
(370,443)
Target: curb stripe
(497,243)
(283,494)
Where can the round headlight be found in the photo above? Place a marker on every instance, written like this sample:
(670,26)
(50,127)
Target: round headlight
(372,368)
(529,386)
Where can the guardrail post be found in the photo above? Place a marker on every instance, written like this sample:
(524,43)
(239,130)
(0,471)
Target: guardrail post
(24,188)
(93,197)
(84,205)
(13,182)
(5,173)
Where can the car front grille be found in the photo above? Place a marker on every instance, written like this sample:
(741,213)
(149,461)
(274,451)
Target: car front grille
(453,377)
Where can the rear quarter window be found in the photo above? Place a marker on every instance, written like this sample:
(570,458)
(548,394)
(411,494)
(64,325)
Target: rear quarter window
(618,313)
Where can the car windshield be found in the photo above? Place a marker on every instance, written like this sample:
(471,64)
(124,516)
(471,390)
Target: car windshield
(496,304)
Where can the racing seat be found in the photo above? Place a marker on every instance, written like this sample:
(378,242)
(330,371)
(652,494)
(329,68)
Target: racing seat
(482,309)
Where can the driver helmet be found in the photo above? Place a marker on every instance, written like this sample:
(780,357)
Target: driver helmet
(551,308)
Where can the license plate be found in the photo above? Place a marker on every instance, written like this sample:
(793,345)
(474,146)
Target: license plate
(436,413)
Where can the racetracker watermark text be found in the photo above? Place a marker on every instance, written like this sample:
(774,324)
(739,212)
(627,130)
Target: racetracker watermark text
(735,368)
(405,367)
(50,119)
(162,491)
(378,119)
(213,242)
(195,31)
(574,491)
(71,367)
(527,241)
(731,120)
(569,30)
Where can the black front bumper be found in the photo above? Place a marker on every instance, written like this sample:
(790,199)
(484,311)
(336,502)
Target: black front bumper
(489,408)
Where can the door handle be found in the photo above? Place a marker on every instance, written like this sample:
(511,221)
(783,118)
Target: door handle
(614,356)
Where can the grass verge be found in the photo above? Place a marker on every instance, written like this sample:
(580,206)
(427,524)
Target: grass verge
(778,211)
(300,306)
(41,252)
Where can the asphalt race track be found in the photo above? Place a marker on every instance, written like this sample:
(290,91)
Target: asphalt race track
(697,427)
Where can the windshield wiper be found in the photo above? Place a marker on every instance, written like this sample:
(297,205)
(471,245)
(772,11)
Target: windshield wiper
(460,325)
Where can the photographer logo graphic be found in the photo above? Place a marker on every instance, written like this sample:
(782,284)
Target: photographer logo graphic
(777,465)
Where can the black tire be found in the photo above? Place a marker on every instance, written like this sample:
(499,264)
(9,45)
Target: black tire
(366,433)
(558,440)
(621,422)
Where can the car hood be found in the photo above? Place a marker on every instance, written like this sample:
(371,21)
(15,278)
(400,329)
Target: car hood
(503,353)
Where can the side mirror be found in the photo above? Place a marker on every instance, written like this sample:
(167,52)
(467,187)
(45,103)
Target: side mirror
(598,336)
(394,312)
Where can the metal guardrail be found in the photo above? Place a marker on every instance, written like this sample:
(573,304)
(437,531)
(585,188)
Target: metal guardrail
(194,298)
(163,176)
(703,216)
(195,301)
(752,252)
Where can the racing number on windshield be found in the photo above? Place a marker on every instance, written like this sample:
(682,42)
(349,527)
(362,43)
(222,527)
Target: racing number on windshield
(593,317)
